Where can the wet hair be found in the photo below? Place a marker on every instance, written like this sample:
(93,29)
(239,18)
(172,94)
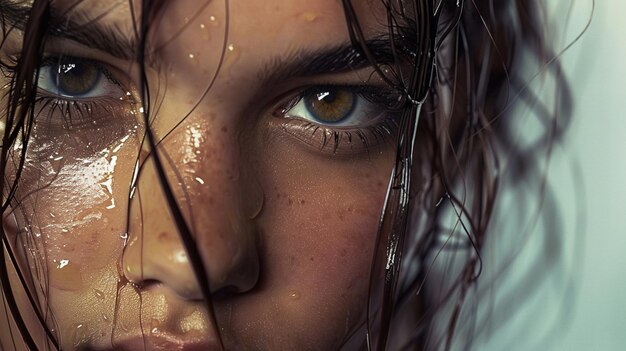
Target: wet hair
(458,66)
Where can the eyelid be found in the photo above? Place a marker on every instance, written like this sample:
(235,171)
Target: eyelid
(57,46)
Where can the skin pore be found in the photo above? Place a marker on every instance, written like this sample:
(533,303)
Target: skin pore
(283,207)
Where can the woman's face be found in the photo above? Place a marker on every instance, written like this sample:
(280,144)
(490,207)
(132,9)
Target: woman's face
(276,140)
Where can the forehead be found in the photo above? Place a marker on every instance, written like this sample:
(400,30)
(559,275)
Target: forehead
(255,13)
(285,24)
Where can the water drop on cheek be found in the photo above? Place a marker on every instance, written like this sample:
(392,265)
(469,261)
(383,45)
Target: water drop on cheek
(310,16)
(56,163)
(65,275)
(233,54)
(99,294)
(79,334)
(205,34)
(213,21)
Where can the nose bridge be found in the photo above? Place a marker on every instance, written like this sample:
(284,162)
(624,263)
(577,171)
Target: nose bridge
(203,168)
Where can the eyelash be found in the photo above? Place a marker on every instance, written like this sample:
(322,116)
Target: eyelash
(329,139)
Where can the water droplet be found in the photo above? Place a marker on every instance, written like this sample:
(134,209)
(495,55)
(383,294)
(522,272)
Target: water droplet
(232,57)
(124,236)
(310,16)
(79,334)
(191,56)
(56,163)
(63,263)
(99,294)
(205,34)
(199,180)
(67,276)
(294,295)
(213,21)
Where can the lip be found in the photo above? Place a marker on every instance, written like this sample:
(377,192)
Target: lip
(162,342)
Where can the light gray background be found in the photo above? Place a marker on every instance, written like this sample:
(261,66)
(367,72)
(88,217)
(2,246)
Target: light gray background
(582,305)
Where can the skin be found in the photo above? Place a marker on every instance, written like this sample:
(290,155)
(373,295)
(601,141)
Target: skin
(285,229)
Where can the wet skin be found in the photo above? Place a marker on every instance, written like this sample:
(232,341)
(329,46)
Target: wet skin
(284,222)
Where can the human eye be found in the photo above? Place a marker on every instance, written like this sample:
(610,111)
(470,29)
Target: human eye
(76,78)
(342,119)
(83,103)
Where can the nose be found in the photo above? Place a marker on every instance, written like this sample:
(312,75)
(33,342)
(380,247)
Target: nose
(210,192)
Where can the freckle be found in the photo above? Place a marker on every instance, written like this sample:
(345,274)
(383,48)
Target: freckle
(278,196)
(302,202)
(163,236)
(211,200)
(312,259)
(224,129)
(290,202)
(380,184)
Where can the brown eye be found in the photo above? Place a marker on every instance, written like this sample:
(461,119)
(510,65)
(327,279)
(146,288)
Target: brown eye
(75,77)
(340,106)
(330,105)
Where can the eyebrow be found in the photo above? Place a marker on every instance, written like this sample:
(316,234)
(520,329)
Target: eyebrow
(340,58)
(108,38)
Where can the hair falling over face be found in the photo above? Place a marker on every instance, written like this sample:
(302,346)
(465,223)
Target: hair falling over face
(226,175)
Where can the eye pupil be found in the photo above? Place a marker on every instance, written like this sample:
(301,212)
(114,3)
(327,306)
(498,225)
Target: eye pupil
(330,105)
(75,78)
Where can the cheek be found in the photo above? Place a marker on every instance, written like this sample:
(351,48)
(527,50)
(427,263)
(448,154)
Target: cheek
(318,225)
(71,221)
